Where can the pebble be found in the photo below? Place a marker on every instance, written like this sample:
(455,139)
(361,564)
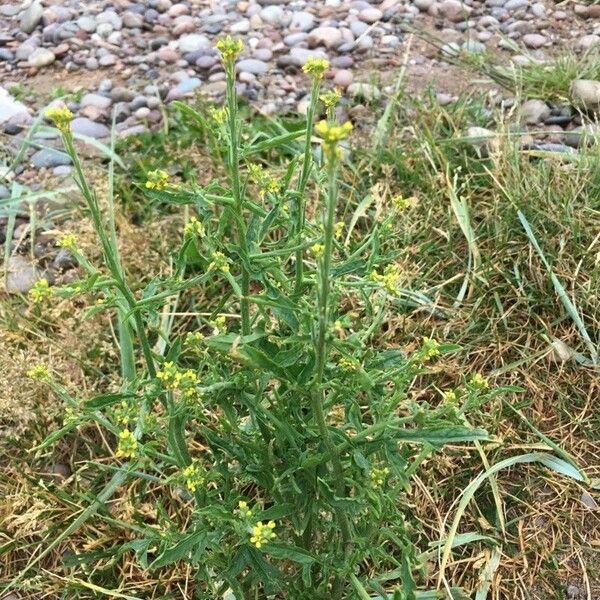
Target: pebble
(370,15)
(366,91)
(31,17)
(89,128)
(252,65)
(302,21)
(534,111)
(585,94)
(48,158)
(41,57)
(21,275)
(330,37)
(193,42)
(101,102)
(534,40)
(343,78)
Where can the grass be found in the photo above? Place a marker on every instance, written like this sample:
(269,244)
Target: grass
(482,283)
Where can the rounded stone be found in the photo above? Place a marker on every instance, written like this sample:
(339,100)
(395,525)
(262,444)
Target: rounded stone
(370,15)
(343,78)
(41,57)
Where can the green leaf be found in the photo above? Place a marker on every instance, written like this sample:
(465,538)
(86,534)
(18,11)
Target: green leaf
(98,402)
(293,553)
(277,512)
(176,439)
(181,550)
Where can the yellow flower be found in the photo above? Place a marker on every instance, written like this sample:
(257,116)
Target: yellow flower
(128,445)
(317,250)
(219,114)
(450,396)
(332,135)
(331,98)
(68,241)
(262,534)
(401,203)
(40,291)
(338,229)
(62,118)
(219,261)
(479,382)
(243,509)
(349,364)
(193,477)
(193,339)
(378,476)
(390,278)
(429,349)
(168,375)
(219,323)
(39,373)
(229,49)
(315,67)
(193,228)
(157,180)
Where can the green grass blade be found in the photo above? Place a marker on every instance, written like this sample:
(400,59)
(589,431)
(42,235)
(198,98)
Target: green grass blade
(562,293)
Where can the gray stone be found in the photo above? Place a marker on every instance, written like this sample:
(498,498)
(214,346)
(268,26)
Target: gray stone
(585,94)
(585,135)
(48,158)
(101,102)
(6,54)
(274,15)
(9,107)
(193,42)
(370,15)
(587,41)
(302,21)
(31,18)
(87,23)
(534,111)
(64,260)
(24,51)
(41,57)
(366,91)
(89,128)
(21,275)
(121,94)
(513,5)
(132,20)
(187,85)
(298,56)
(330,37)
(252,65)
(454,11)
(423,5)
(534,40)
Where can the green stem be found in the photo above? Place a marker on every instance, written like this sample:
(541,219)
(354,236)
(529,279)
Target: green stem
(238,203)
(318,394)
(302,182)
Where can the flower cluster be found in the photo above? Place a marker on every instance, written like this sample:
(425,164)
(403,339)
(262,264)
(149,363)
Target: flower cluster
(331,99)
(219,261)
(317,250)
(338,229)
(193,339)
(174,378)
(125,413)
(378,476)
(315,67)
(220,323)
(128,445)
(157,180)
(68,241)
(40,291)
(479,382)
(39,373)
(350,365)
(450,396)
(390,278)
(62,117)
(193,228)
(219,115)
(229,49)
(430,348)
(243,509)
(401,204)
(193,477)
(262,534)
(266,183)
(332,135)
